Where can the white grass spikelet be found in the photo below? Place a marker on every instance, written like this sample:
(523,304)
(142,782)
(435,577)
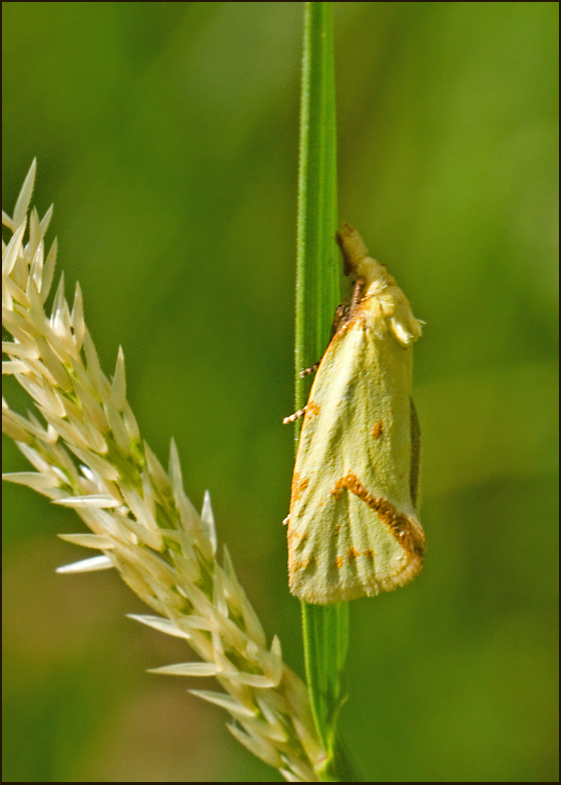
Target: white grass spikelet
(161,624)
(88,540)
(88,454)
(187,669)
(87,565)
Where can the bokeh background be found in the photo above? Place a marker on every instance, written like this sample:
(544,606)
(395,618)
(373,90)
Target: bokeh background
(166,135)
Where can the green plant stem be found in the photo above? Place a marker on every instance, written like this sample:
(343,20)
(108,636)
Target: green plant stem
(325,628)
(317,284)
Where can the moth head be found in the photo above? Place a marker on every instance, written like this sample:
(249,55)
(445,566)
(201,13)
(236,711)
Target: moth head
(392,307)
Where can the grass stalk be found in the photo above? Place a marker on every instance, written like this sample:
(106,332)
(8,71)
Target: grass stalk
(325,628)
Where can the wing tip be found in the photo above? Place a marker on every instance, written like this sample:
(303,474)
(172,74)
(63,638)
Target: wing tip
(315,592)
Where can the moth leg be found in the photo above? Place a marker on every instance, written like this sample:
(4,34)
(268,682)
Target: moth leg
(295,416)
(309,370)
(341,316)
(343,313)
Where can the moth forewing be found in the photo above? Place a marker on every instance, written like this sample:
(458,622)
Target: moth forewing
(353,527)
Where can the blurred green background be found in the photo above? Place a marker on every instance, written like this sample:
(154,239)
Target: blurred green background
(167,136)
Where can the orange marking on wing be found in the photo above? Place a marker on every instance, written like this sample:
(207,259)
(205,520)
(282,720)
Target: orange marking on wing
(312,409)
(410,536)
(378,430)
(299,485)
(294,565)
(369,554)
(339,563)
(352,553)
(295,539)
(338,489)
(292,534)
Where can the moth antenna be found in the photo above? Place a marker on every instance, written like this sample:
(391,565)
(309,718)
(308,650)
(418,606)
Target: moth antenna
(357,297)
(295,416)
(346,311)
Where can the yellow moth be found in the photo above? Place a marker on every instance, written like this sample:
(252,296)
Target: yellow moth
(353,527)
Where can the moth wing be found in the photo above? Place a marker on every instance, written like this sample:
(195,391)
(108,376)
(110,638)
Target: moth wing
(353,528)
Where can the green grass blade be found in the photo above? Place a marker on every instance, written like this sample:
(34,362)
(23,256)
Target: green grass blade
(317,286)
(325,628)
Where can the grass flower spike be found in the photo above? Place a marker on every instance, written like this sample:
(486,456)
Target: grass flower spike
(88,454)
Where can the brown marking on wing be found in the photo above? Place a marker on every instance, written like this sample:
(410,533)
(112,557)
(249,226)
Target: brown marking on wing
(378,429)
(409,536)
(299,485)
(415,454)
(369,554)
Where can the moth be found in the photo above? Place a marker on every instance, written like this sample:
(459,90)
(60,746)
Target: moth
(353,527)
